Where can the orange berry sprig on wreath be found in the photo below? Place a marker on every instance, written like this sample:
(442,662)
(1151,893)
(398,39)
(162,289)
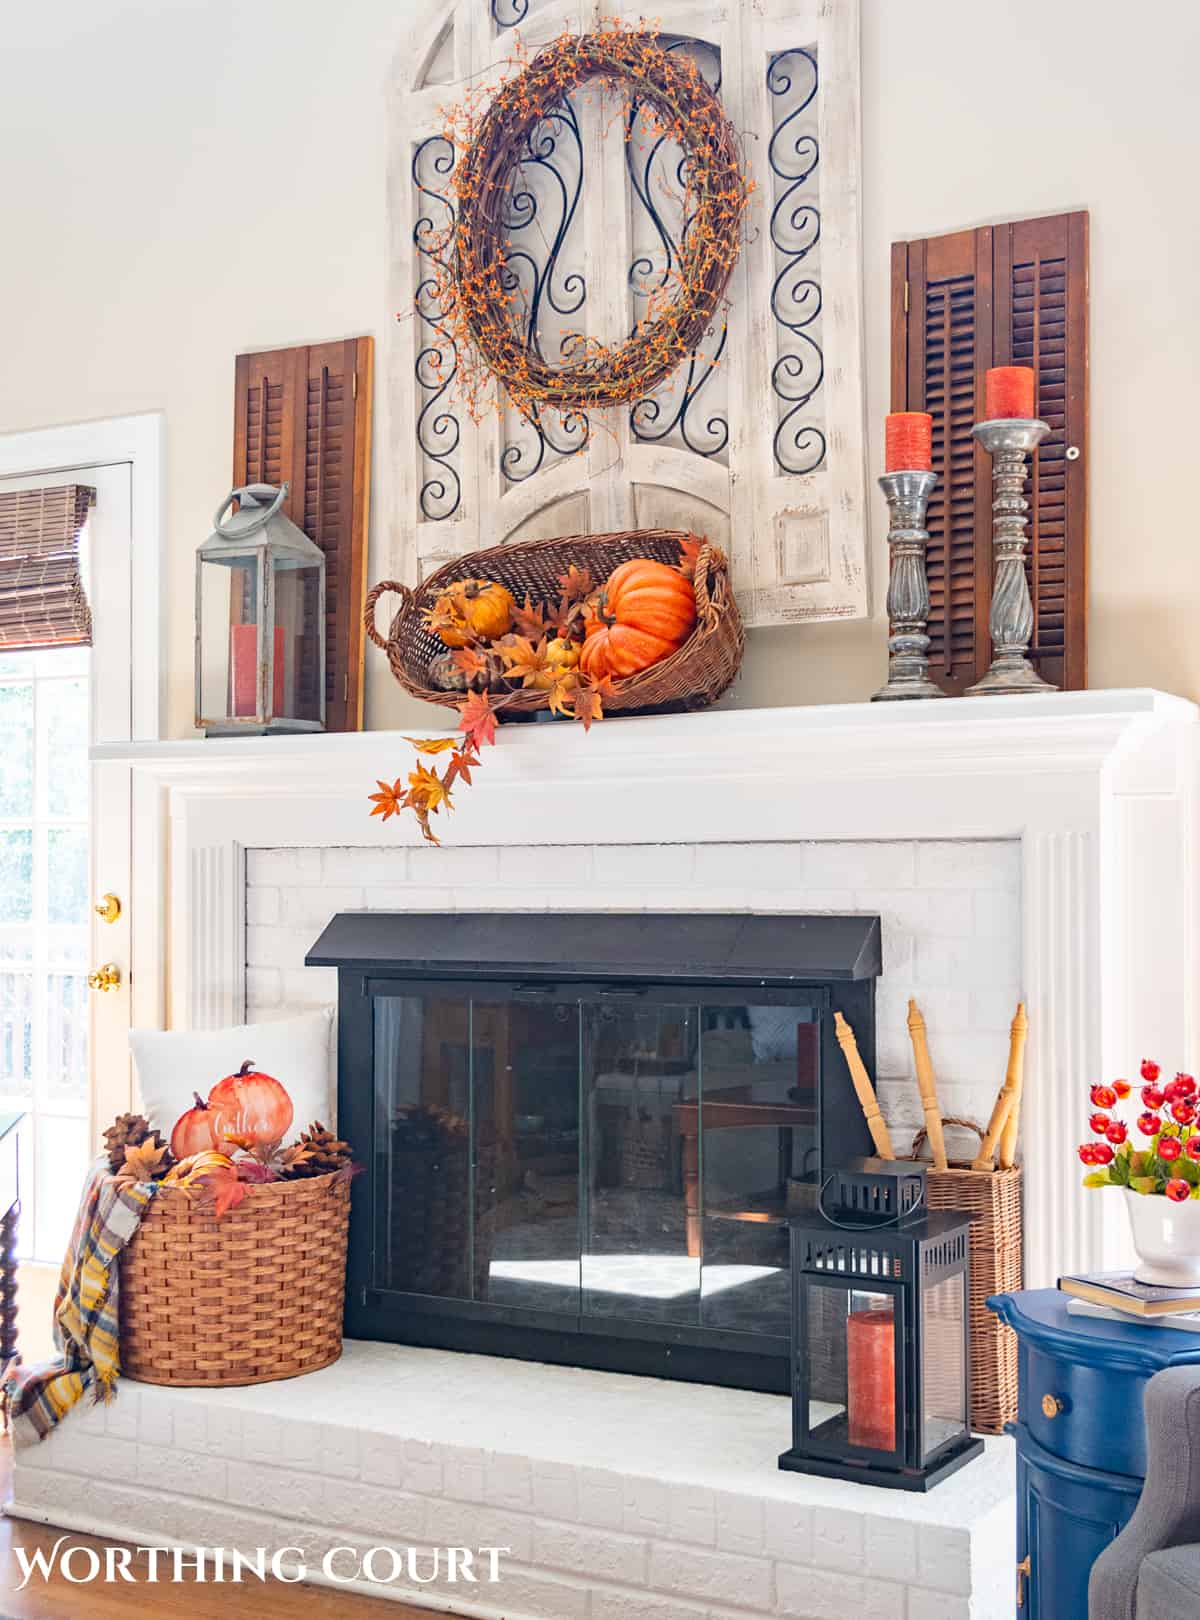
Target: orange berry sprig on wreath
(475,292)
(571,651)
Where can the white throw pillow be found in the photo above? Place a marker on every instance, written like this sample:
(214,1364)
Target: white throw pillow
(174,1063)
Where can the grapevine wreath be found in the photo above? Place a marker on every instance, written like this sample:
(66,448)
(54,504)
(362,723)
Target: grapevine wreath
(477,285)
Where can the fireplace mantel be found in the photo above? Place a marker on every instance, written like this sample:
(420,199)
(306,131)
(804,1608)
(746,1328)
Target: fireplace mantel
(1099,788)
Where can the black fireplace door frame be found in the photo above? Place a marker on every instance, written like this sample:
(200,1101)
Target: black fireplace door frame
(689,1353)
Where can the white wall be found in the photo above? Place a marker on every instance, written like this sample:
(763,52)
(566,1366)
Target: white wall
(192,178)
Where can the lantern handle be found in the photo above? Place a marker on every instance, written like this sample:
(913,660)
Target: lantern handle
(256,492)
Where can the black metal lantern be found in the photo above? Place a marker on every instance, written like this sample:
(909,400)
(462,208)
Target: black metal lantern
(880,1349)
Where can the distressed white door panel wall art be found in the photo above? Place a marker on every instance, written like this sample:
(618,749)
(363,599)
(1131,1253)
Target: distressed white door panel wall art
(757,440)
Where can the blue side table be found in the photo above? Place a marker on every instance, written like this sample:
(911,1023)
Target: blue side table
(1081,1442)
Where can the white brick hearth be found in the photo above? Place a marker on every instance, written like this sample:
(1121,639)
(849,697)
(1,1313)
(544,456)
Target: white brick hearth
(621,1498)
(950,911)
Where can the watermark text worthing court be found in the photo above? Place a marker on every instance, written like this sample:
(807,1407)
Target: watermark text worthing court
(340,1566)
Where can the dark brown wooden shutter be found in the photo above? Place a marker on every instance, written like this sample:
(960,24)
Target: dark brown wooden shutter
(303,416)
(1011,294)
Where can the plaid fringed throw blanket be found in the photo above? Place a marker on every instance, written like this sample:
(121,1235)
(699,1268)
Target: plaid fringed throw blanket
(86,1327)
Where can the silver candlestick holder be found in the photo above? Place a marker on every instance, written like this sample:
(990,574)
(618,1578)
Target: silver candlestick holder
(1010,623)
(907,495)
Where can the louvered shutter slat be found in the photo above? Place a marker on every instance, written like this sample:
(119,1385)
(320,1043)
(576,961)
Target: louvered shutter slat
(303,416)
(1012,294)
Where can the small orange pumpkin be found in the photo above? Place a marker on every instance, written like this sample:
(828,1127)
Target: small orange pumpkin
(193,1131)
(474,609)
(645,611)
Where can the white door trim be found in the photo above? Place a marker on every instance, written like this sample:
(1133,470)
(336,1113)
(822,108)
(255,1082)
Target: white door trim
(138,440)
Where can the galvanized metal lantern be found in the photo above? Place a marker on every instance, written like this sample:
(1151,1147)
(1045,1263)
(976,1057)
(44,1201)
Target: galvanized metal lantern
(260,620)
(880,1349)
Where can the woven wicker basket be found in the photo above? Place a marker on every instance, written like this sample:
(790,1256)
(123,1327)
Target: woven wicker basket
(690,678)
(992,1198)
(244,1298)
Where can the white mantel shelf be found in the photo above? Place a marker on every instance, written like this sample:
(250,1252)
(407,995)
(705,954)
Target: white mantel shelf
(1098,787)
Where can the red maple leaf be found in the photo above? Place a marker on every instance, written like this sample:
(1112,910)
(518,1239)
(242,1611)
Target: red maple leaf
(478,720)
(689,556)
(388,800)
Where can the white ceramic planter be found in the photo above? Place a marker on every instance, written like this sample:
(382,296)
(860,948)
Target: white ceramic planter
(1166,1236)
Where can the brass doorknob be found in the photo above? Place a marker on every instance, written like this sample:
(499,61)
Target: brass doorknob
(107,977)
(107,908)
(1024,1570)
(1051,1406)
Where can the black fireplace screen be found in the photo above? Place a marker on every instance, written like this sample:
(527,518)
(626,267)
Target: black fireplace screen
(595,1171)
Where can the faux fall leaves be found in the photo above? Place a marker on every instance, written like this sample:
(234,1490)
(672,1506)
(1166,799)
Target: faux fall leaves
(570,648)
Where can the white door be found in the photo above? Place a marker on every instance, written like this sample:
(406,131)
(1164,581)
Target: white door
(64,843)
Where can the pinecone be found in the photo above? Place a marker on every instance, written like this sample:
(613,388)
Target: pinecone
(129,1130)
(324,1153)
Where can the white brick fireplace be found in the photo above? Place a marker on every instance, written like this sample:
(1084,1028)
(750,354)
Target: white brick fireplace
(1043,848)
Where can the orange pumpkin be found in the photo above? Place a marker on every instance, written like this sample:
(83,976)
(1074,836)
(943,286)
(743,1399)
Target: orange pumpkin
(483,609)
(193,1131)
(249,1104)
(645,611)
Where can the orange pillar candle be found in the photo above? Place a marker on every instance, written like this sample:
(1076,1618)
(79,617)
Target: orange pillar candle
(1008,392)
(243,670)
(908,442)
(871,1378)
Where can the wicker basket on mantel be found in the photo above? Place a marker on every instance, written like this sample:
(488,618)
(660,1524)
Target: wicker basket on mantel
(992,1199)
(691,677)
(242,1298)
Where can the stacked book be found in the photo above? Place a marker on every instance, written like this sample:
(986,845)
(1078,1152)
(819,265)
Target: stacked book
(1117,1296)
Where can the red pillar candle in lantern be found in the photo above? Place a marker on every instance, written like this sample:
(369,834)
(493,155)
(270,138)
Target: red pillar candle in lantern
(908,442)
(871,1378)
(1008,392)
(243,670)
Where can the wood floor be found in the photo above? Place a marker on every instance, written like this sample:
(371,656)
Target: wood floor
(59,1599)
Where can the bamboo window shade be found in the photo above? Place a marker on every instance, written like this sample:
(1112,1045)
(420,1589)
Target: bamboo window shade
(999,295)
(42,599)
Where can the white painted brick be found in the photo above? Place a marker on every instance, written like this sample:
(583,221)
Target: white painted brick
(223,1430)
(462,1474)
(309,987)
(287,1491)
(969,864)
(465,1524)
(693,1514)
(739,1523)
(283,867)
(263,906)
(945,913)
(968,963)
(339,1451)
(264,990)
(590,1552)
(555,1489)
(612,1605)
(926,1605)
(426,865)
(803,902)
(369,1509)
(861,866)
(837,1539)
(508,1481)
(600,1499)
(997,916)
(277,947)
(993,1009)
(422,1468)
(820,1594)
(787,1531)
(546,865)
(381,1460)
(944,1558)
(91,1417)
(720,1577)
(943,1010)
(767,866)
(647,1506)
(526,1592)
(656,865)
(167,1468)
(412,898)
(891,1549)
(155,1422)
(364,868)
(92,1455)
(312,908)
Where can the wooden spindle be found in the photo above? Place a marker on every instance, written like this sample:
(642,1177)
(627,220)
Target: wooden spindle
(927,1086)
(864,1090)
(1015,1078)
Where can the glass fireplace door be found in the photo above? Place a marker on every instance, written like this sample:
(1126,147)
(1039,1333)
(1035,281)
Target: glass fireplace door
(605,1159)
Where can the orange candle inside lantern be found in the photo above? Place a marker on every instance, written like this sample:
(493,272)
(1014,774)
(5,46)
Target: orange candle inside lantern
(1008,392)
(871,1378)
(908,442)
(243,670)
